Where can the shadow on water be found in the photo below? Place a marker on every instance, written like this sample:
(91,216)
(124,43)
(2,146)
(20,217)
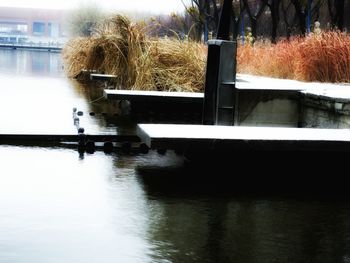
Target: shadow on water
(207,221)
(262,210)
(279,174)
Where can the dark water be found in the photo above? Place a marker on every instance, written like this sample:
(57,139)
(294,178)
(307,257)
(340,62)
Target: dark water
(58,207)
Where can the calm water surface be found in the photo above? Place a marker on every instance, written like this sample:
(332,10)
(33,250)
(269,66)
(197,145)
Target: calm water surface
(56,206)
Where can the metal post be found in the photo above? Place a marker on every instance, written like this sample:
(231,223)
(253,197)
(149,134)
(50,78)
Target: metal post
(218,106)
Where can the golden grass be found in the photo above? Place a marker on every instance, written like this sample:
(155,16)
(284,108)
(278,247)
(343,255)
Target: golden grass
(114,47)
(75,55)
(121,48)
(176,65)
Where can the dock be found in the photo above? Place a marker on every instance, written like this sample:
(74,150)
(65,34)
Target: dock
(243,139)
(249,160)
(154,96)
(258,101)
(159,106)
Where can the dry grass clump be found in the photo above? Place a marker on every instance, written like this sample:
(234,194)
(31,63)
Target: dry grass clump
(113,49)
(75,54)
(173,65)
(321,57)
(121,48)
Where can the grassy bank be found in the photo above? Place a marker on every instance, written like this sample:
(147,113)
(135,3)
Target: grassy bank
(122,48)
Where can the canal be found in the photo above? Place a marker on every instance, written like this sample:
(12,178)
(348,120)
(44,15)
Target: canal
(57,205)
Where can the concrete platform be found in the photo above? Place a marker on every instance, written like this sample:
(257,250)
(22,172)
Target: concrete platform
(154,96)
(238,138)
(259,101)
(340,91)
(245,81)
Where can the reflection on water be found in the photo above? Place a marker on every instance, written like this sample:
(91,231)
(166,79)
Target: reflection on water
(57,207)
(30,62)
(37,98)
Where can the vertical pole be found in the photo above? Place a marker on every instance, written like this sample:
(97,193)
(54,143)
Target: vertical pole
(218,104)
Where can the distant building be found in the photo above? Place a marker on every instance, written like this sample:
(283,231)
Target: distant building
(20,24)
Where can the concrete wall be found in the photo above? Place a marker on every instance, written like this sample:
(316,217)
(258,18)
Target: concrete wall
(324,112)
(272,102)
(285,109)
(267,108)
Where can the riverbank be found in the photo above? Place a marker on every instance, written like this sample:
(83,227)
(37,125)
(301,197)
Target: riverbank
(122,48)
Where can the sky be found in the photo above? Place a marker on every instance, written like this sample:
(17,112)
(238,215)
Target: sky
(149,6)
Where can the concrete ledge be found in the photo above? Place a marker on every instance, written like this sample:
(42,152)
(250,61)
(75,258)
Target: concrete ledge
(154,96)
(238,138)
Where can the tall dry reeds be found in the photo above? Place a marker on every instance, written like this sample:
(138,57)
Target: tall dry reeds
(323,57)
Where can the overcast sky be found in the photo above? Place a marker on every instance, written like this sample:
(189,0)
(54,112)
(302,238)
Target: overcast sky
(153,6)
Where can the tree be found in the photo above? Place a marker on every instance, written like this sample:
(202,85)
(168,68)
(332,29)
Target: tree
(301,12)
(336,12)
(84,20)
(274,6)
(236,17)
(254,12)
(205,14)
(286,10)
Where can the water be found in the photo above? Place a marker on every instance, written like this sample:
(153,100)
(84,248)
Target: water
(58,207)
